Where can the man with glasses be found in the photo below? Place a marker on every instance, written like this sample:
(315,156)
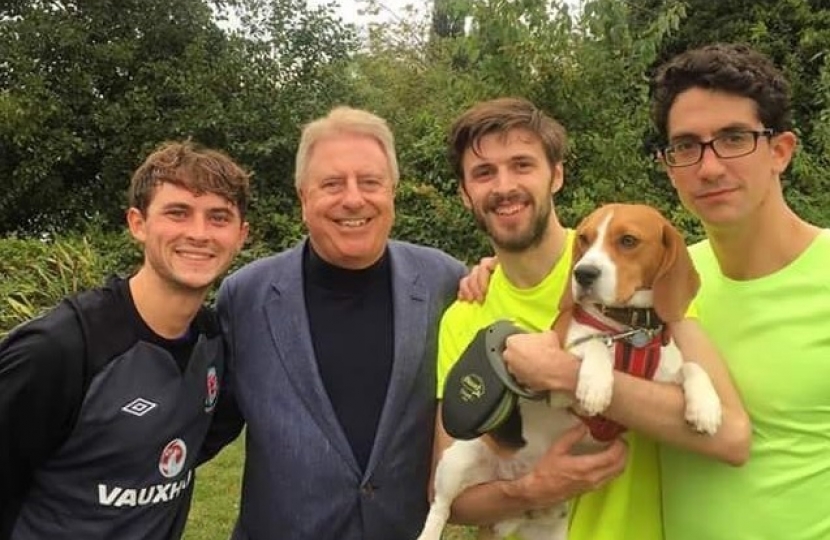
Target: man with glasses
(733,143)
(725,113)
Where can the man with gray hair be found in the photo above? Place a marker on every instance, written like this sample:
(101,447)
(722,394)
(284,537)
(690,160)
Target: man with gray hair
(332,353)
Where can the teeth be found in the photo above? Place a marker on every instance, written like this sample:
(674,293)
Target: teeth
(353,222)
(508,210)
(194,256)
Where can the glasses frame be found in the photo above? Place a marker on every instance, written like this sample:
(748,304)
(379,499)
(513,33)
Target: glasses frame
(756,134)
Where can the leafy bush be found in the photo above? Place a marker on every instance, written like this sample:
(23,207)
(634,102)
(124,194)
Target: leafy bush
(35,274)
(424,216)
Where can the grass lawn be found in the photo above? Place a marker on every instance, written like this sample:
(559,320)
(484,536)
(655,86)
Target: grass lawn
(216,500)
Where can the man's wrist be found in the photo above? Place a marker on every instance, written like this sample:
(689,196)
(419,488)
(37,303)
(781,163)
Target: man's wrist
(565,379)
(519,491)
(525,493)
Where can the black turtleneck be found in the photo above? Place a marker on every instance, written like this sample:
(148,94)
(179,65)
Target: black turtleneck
(350,315)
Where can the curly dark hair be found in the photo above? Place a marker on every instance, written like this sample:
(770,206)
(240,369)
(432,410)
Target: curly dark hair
(731,68)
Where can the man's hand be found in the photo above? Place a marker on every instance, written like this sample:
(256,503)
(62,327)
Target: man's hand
(560,474)
(539,363)
(473,286)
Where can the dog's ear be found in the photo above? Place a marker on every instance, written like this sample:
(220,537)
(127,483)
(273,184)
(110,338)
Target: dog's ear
(677,281)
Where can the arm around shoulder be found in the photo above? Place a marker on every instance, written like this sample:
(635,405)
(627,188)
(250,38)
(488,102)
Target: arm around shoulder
(227,420)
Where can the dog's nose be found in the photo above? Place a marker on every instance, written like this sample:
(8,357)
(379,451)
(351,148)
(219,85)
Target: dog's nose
(586,274)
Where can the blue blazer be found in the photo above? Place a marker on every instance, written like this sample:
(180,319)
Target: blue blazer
(301,480)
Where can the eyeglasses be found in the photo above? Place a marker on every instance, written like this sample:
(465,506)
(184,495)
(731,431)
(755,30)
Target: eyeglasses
(732,144)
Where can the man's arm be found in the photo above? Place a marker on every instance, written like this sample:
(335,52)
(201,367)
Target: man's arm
(226,425)
(655,409)
(558,476)
(227,420)
(41,391)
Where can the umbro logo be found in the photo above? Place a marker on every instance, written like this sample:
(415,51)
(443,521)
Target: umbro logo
(139,407)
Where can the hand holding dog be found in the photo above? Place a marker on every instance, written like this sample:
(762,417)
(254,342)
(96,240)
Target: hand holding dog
(538,362)
(562,474)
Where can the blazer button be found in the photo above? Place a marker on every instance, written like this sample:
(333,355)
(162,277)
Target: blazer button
(367,490)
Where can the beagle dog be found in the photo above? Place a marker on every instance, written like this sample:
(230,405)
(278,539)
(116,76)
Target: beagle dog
(631,275)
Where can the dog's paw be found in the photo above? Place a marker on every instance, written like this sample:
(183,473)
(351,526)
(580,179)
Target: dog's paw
(704,414)
(594,390)
(703,407)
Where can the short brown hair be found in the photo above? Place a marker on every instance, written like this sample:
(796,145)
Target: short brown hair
(725,67)
(193,167)
(500,116)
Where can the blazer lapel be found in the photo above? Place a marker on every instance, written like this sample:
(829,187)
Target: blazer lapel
(410,309)
(288,322)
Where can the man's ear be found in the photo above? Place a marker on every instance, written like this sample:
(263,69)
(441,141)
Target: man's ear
(558,178)
(136,223)
(243,235)
(301,194)
(465,199)
(783,147)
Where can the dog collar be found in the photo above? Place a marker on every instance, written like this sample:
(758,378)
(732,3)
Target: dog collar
(636,352)
(638,336)
(633,317)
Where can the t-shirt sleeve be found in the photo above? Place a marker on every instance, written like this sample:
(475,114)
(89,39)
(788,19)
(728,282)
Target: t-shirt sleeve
(451,343)
(42,378)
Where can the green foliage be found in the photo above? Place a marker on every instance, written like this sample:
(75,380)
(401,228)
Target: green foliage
(36,274)
(424,216)
(216,495)
(577,68)
(87,90)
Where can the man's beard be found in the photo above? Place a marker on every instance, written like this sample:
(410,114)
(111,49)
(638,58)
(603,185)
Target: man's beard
(514,243)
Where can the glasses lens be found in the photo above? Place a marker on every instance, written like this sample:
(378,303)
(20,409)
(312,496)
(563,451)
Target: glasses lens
(683,153)
(734,144)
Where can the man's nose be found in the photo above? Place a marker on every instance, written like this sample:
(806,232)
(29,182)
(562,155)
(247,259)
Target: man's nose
(504,180)
(710,166)
(352,196)
(198,228)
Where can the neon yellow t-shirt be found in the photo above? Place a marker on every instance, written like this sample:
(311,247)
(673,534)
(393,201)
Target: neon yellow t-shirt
(774,333)
(627,508)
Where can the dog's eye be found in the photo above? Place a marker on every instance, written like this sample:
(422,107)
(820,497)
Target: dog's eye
(628,241)
(582,238)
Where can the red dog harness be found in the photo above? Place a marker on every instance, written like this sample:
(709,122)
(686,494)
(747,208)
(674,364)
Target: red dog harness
(640,360)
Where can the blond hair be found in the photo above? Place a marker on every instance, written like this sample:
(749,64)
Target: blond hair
(345,120)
